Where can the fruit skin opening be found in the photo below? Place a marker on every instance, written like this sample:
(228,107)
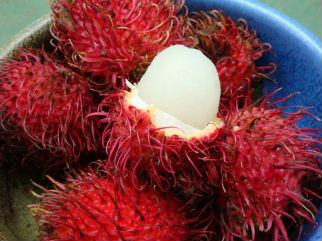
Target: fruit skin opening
(169,124)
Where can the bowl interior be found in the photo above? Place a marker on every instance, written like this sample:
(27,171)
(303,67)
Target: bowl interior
(297,53)
(16,221)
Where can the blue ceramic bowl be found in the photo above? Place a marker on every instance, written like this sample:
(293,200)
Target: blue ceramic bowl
(296,52)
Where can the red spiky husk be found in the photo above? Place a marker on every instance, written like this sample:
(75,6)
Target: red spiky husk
(44,103)
(139,149)
(96,207)
(115,39)
(232,46)
(267,161)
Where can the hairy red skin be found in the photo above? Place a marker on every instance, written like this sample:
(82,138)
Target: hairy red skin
(138,149)
(231,46)
(43,102)
(266,159)
(115,39)
(93,207)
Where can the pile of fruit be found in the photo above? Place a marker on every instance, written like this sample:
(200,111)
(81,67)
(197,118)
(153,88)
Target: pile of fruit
(149,109)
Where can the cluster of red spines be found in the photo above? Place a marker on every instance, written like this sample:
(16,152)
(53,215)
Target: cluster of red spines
(137,148)
(45,103)
(92,207)
(232,47)
(116,39)
(267,156)
(252,170)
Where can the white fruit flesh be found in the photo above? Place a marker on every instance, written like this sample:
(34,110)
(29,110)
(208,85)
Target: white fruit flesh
(181,89)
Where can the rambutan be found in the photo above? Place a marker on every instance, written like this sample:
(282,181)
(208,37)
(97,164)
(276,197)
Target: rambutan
(267,159)
(116,39)
(44,103)
(161,129)
(231,46)
(93,207)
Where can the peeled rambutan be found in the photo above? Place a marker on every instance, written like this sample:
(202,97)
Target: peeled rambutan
(136,146)
(232,46)
(115,39)
(161,129)
(93,207)
(44,103)
(268,161)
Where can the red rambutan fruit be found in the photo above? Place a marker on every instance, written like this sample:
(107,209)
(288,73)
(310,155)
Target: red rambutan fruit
(267,158)
(232,47)
(43,102)
(114,39)
(91,207)
(150,133)
(136,146)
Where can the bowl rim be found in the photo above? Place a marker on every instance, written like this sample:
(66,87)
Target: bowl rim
(24,36)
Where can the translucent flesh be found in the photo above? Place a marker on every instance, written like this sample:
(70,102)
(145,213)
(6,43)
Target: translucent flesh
(184,83)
